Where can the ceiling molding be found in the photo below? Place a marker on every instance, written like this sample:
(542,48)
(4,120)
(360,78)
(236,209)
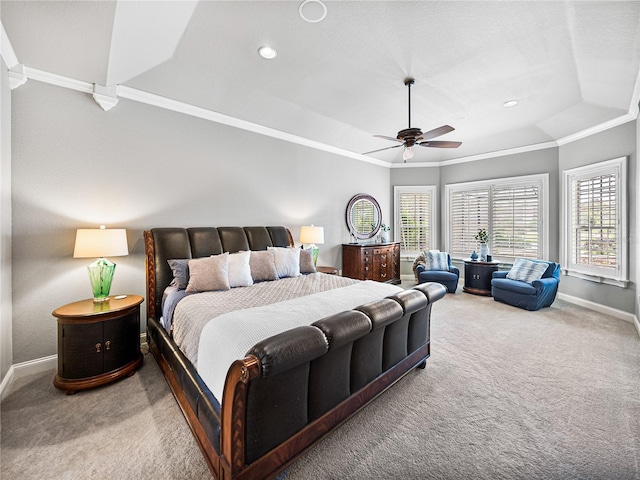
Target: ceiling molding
(199,112)
(17,77)
(152,99)
(106,97)
(587,132)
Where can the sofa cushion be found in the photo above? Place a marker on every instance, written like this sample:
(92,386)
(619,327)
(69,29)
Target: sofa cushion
(516,286)
(527,270)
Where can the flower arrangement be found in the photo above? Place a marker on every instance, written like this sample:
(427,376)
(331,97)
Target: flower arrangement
(482,236)
(385,228)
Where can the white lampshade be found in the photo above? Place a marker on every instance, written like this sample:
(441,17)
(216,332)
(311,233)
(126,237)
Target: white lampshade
(101,242)
(311,234)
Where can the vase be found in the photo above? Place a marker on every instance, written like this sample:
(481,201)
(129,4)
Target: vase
(484,251)
(474,256)
(384,237)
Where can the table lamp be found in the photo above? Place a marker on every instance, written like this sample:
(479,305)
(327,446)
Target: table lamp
(312,235)
(101,242)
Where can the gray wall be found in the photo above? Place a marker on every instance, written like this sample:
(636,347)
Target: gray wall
(6,352)
(138,167)
(613,143)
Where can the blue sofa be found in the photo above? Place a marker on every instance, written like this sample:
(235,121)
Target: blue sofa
(447,278)
(530,296)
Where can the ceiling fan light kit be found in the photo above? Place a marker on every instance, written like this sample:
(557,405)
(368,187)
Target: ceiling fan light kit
(410,137)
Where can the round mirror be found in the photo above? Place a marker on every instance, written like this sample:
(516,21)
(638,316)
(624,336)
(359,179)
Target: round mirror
(364,216)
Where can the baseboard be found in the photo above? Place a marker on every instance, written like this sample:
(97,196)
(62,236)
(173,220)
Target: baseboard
(41,365)
(6,383)
(637,324)
(614,312)
(23,369)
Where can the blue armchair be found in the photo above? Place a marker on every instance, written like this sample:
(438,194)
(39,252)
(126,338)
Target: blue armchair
(448,278)
(530,296)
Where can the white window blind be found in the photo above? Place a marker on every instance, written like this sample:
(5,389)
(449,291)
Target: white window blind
(512,210)
(415,218)
(469,212)
(516,218)
(595,219)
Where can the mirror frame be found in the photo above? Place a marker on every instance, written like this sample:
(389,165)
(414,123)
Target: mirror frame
(374,202)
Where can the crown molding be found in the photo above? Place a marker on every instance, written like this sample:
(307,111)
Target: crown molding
(199,112)
(17,77)
(106,97)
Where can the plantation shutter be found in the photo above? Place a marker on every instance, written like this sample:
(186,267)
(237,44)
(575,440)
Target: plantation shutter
(415,221)
(469,212)
(594,221)
(516,221)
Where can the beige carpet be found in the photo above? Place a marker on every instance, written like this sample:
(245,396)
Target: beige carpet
(507,394)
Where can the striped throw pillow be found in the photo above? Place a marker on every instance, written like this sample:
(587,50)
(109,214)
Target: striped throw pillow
(437,261)
(527,270)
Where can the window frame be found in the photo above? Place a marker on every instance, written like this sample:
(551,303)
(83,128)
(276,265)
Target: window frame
(620,278)
(431,189)
(541,180)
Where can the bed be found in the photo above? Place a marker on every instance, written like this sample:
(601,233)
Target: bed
(292,387)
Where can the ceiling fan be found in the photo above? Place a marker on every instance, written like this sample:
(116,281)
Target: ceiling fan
(410,137)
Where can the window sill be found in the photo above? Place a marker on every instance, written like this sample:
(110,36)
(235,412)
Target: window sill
(597,278)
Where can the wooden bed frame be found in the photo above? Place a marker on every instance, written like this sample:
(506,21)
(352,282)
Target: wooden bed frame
(291,389)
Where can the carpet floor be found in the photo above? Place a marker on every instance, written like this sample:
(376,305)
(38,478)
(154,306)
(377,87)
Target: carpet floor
(507,394)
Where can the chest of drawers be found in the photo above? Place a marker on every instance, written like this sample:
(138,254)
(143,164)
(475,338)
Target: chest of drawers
(379,262)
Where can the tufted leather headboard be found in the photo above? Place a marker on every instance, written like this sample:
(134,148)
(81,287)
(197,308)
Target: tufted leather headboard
(162,244)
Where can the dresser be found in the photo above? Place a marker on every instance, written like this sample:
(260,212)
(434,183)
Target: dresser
(376,261)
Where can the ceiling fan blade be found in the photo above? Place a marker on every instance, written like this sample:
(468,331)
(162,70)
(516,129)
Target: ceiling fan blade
(387,148)
(436,132)
(440,144)
(394,139)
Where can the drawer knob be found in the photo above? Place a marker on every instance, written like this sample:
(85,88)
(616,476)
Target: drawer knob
(383,265)
(98,347)
(107,345)
(383,275)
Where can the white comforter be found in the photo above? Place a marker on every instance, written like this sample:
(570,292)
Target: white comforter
(228,337)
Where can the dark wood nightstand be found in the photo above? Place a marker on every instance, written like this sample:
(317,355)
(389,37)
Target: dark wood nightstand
(477,276)
(98,343)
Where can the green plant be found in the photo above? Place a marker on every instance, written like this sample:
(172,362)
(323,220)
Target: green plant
(385,228)
(482,236)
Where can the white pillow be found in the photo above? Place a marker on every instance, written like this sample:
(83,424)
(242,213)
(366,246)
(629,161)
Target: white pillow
(239,270)
(287,261)
(527,270)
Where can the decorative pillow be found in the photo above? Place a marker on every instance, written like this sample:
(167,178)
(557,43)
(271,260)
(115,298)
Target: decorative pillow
(208,274)
(239,270)
(527,270)
(287,261)
(437,260)
(306,261)
(263,266)
(180,269)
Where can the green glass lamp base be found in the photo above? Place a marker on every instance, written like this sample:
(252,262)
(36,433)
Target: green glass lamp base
(314,252)
(100,275)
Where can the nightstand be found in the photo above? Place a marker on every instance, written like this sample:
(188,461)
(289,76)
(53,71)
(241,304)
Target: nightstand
(98,343)
(477,276)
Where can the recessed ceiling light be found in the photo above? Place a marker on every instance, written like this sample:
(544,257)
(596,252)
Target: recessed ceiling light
(510,103)
(267,52)
(312,11)
(459,118)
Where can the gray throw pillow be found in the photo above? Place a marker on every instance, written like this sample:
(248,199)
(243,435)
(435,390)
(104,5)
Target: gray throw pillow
(306,262)
(180,269)
(263,266)
(209,273)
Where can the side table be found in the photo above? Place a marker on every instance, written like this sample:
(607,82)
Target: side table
(477,276)
(98,343)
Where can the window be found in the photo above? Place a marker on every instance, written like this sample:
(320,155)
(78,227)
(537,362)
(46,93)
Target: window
(513,210)
(415,218)
(595,219)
